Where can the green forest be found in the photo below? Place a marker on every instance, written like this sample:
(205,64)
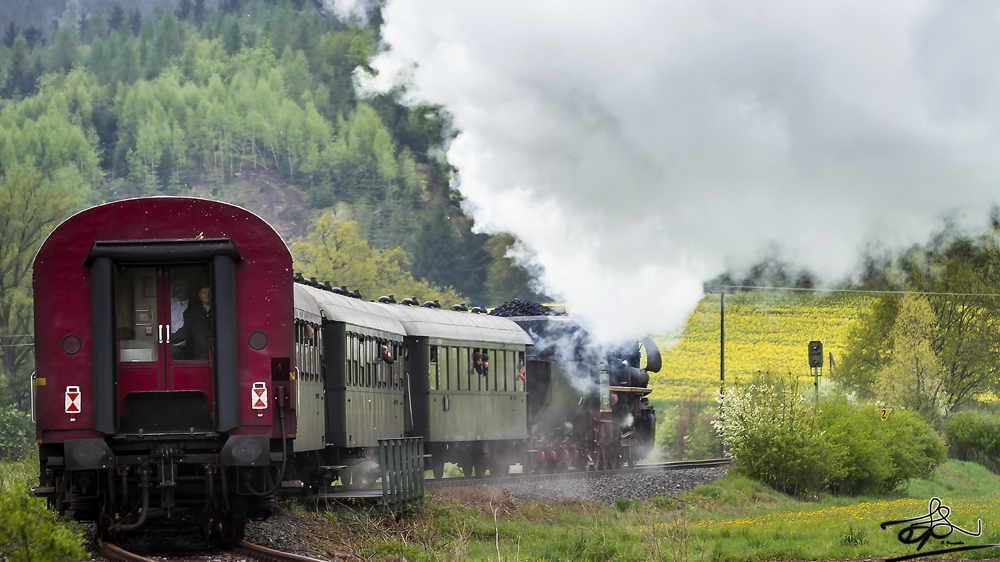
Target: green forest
(247,101)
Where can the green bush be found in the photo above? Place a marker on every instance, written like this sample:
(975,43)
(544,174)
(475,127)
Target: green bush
(17,433)
(975,436)
(774,436)
(879,455)
(686,431)
(28,529)
(781,438)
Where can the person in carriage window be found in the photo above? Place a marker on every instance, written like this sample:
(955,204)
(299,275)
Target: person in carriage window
(197,330)
(481,363)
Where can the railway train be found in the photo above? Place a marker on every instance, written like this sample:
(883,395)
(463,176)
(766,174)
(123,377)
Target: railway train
(186,376)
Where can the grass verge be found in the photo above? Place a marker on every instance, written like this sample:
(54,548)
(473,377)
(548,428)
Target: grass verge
(735,519)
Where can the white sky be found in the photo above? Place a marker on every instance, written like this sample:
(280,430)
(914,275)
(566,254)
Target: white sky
(639,148)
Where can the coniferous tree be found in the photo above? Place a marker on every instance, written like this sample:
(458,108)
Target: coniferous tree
(233,39)
(437,251)
(230,6)
(34,36)
(84,27)
(20,79)
(127,64)
(135,22)
(117,18)
(183,10)
(10,35)
(198,12)
(98,26)
(71,15)
(64,51)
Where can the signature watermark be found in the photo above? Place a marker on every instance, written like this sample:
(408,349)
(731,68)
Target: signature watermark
(934,525)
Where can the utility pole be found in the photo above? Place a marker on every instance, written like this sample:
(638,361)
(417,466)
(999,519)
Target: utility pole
(722,361)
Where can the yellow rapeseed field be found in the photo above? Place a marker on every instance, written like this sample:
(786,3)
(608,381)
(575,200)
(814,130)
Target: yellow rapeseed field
(766,331)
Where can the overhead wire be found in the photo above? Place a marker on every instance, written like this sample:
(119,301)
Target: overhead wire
(725,288)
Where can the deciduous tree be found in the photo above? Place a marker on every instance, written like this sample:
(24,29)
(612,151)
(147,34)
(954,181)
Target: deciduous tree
(29,208)
(914,377)
(334,252)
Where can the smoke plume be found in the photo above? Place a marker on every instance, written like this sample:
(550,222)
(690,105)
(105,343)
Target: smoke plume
(638,149)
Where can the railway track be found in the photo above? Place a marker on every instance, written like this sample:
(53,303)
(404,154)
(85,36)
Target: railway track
(242,551)
(652,467)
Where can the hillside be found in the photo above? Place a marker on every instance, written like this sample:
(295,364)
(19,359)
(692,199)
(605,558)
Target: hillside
(765,331)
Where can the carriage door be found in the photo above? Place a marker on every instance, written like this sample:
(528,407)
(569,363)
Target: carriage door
(163,317)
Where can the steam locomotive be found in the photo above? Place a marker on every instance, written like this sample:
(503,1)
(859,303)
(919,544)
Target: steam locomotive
(184,377)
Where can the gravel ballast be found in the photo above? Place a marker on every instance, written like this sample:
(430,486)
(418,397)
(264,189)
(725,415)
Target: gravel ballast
(605,489)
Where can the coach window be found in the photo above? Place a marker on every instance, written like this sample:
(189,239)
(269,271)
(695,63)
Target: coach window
(374,344)
(451,367)
(504,382)
(432,368)
(397,366)
(138,323)
(371,356)
(511,372)
(520,373)
(464,368)
(491,367)
(461,367)
(366,359)
(349,359)
(366,362)
(384,369)
(359,360)
(352,361)
(445,380)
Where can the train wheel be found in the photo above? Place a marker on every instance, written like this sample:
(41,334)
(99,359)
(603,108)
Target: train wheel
(500,468)
(466,468)
(437,467)
(232,529)
(631,458)
(231,525)
(480,466)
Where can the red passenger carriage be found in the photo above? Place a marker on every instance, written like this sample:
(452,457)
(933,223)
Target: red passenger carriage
(146,408)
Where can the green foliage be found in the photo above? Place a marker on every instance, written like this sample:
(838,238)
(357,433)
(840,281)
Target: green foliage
(956,364)
(29,208)
(505,279)
(868,351)
(200,101)
(17,433)
(878,456)
(774,436)
(333,251)
(975,436)
(447,253)
(914,375)
(780,438)
(686,431)
(29,530)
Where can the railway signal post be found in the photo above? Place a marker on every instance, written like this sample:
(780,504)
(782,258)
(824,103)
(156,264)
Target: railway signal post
(816,362)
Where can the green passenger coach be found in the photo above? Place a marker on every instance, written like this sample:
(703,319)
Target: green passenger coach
(465,394)
(356,377)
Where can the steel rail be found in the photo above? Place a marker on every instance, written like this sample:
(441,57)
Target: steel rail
(652,467)
(115,553)
(262,554)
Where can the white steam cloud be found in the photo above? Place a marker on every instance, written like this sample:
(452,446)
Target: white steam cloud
(639,148)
